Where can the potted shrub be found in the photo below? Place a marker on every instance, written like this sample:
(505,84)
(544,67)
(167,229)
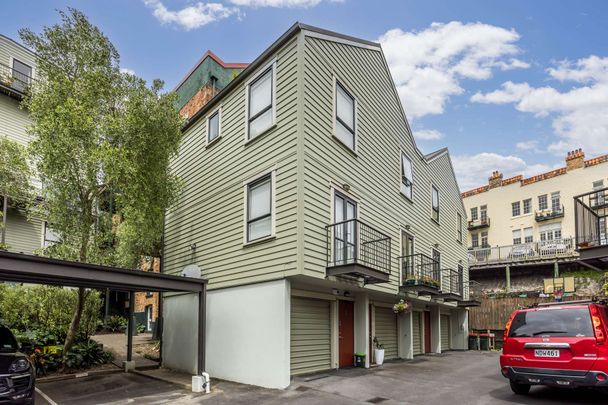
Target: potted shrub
(378,351)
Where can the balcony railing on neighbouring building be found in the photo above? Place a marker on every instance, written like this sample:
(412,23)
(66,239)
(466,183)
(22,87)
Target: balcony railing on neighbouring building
(356,249)
(14,79)
(591,219)
(478,223)
(551,213)
(420,273)
(533,251)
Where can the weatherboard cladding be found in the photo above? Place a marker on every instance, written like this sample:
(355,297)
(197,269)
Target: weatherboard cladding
(22,235)
(374,174)
(308,160)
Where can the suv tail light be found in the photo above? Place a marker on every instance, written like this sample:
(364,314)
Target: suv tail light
(508,326)
(598,327)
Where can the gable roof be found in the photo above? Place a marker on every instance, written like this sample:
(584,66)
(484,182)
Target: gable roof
(216,58)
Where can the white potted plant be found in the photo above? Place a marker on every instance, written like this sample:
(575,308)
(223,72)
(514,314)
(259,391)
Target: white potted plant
(402,307)
(378,351)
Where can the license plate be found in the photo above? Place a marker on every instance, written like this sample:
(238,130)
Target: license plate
(546,353)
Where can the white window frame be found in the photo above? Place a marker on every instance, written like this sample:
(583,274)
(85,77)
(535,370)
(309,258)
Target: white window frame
(272,65)
(217,111)
(433,211)
(459,225)
(45,226)
(273,212)
(408,232)
(11,60)
(338,82)
(546,202)
(476,211)
(513,215)
(523,207)
(475,238)
(402,186)
(528,233)
(516,234)
(556,196)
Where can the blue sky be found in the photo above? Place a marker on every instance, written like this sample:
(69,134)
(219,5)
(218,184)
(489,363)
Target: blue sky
(507,85)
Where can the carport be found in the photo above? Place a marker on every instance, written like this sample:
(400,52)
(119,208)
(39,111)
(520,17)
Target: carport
(22,268)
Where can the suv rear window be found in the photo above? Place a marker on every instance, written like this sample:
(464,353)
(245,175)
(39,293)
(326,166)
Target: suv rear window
(565,322)
(7,341)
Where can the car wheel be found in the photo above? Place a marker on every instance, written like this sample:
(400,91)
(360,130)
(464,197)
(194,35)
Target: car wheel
(520,389)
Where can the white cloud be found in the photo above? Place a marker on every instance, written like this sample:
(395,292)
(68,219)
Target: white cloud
(127,71)
(527,145)
(192,16)
(579,114)
(278,3)
(428,65)
(473,170)
(428,135)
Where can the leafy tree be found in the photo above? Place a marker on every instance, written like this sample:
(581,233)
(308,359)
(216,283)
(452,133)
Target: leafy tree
(102,143)
(14,179)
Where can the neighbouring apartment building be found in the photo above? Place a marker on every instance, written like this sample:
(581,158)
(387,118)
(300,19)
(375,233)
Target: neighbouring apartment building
(522,231)
(311,212)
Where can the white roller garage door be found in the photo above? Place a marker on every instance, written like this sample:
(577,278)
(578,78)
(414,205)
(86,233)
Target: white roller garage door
(310,335)
(386,331)
(445,332)
(416,329)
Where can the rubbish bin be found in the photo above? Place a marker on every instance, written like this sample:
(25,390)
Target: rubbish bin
(359,360)
(484,342)
(473,343)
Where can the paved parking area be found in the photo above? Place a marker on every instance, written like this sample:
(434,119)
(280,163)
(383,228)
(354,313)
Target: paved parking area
(456,378)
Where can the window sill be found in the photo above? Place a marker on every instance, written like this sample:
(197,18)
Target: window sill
(259,241)
(261,134)
(435,221)
(345,146)
(213,142)
(410,200)
(459,241)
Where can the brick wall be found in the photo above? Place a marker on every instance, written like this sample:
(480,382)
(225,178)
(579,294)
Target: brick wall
(141,298)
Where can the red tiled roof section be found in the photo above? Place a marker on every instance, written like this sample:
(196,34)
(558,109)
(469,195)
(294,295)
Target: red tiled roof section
(512,180)
(544,176)
(475,191)
(596,160)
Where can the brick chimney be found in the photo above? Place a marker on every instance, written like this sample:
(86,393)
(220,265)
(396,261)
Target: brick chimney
(575,159)
(202,97)
(495,179)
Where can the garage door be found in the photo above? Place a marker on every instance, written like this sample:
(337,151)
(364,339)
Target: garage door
(310,335)
(386,331)
(416,329)
(445,332)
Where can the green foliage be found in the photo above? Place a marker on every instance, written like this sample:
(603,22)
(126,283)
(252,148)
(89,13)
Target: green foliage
(117,323)
(46,310)
(141,328)
(583,273)
(377,343)
(86,355)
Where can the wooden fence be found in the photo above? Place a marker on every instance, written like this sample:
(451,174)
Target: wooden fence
(494,312)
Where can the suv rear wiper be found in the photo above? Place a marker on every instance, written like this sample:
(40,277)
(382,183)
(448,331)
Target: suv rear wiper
(549,331)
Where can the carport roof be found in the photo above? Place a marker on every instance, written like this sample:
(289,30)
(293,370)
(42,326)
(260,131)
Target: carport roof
(23,268)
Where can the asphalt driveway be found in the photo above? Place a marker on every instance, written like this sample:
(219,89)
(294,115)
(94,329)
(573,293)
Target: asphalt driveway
(455,378)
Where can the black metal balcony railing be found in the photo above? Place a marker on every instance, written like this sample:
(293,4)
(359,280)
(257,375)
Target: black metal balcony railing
(532,251)
(451,282)
(479,223)
(550,213)
(356,244)
(420,270)
(14,79)
(591,219)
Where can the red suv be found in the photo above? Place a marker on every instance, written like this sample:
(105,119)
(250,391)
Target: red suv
(556,344)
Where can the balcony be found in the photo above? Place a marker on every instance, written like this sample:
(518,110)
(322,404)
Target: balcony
(471,294)
(451,285)
(524,252)
(591,224)
(548,214)
(357,250)
(478,223)
(420,273)
(12,82)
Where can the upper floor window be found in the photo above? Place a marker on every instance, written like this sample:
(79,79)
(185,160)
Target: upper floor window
(517,237)
(550,231)
(261,105)
(484,239)
(474,214)
(598,198)
(474,240)
(515,209)
(528,235)
(213,127)
(22,74)
(50,237)
(483,213)
(555,201)
(542,202)
(527,205)
(407,176)
(459,225)
(345,116)
(259,208)
(435,203)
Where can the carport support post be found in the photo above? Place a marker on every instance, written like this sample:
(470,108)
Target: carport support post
(130,364)
(200,381)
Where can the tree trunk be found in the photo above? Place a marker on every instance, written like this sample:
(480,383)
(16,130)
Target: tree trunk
(69,338)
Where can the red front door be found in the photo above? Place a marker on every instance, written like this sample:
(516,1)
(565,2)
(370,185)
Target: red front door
(346,333)
(427,332)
